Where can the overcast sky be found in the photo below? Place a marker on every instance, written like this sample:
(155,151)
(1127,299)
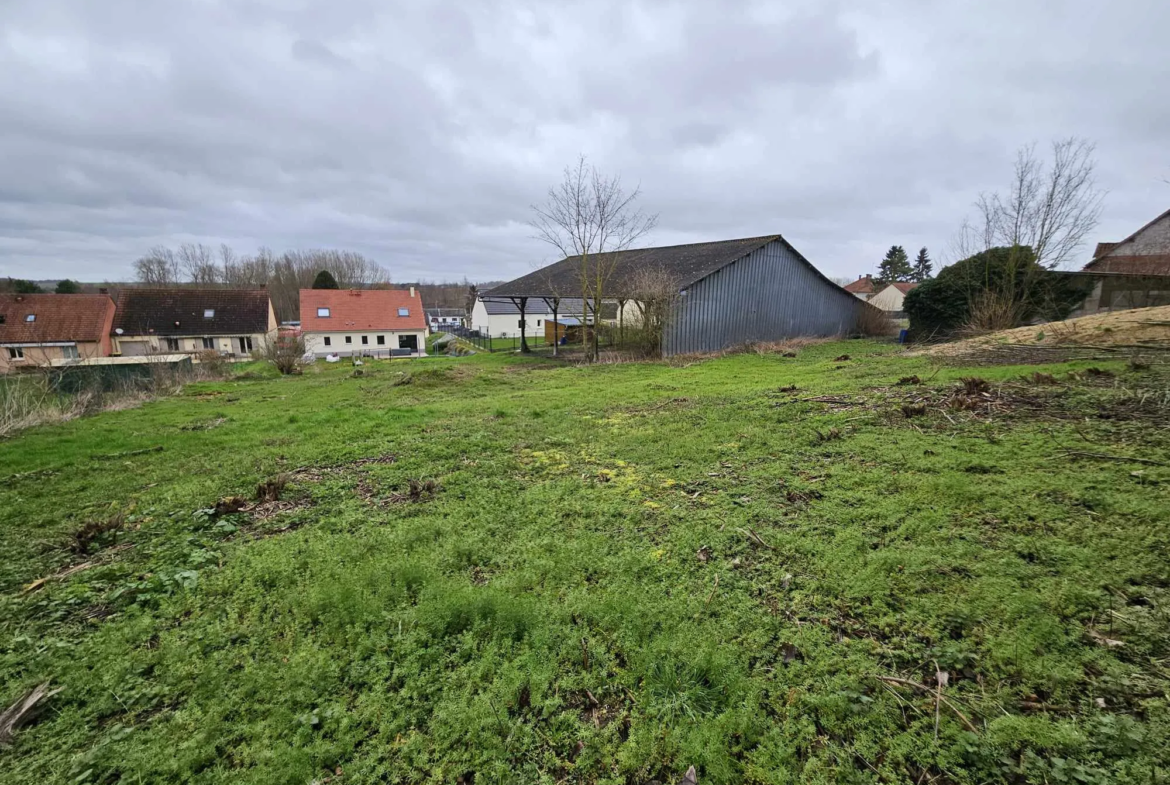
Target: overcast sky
(419,133)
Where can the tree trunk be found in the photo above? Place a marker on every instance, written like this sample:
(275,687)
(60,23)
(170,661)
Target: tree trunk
(523,326)
(555,304)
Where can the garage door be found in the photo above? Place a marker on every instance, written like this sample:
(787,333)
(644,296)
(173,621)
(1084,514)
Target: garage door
(134,348)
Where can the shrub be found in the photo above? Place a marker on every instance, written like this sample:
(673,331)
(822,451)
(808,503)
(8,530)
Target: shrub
(286,352)
(212,363)
(993,290)
(873,322)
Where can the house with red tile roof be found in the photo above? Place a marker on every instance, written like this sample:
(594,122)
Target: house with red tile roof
(45,329)
(363,322)
(863,288)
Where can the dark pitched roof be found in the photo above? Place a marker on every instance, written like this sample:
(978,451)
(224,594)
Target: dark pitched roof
(445,312)
(539,306)
(861,286)
(1105,259)
(534,306)
(181,311)
(59,317)
(1150,264)
(687,263)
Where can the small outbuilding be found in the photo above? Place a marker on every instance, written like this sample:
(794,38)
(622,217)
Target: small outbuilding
(721,294)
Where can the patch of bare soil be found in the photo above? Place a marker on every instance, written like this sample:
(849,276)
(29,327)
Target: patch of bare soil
(316,473)
(1102,335)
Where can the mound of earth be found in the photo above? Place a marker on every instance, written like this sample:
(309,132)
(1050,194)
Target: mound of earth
(1138,328)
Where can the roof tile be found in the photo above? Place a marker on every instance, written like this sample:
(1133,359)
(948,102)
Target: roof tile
(361,309)
(59,317)
(183,311)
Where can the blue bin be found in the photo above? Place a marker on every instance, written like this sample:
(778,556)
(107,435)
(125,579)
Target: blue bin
(902,335)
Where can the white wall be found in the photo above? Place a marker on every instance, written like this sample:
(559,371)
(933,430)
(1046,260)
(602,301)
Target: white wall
(509,323)
(315,342)
(888,299)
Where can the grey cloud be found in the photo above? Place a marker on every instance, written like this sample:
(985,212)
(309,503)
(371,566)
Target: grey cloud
(421,133)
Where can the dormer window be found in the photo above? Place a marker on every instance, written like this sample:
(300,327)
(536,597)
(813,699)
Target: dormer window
(404,312)
(32,317)
(323,313)
(208,313)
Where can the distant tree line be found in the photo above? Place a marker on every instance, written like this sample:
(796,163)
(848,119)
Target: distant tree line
(22,286)
(283,275)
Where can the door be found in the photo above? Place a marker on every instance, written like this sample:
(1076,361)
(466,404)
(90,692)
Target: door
(134,348)
(245,345)
(408,342)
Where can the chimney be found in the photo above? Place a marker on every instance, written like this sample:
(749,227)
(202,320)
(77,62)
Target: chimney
(103,290)
(412,292)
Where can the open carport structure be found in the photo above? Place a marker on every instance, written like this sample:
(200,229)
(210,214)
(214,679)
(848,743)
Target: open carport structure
(730,292)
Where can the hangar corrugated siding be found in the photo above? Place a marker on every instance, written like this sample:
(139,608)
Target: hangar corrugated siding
(768,295)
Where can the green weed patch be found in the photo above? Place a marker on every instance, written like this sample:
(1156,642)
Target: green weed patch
(775,569)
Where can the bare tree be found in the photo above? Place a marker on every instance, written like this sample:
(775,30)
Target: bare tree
(227,259)
(283,275)
(1043,220)
(591,216)
(286,353)
(158,267)
(1051,207)
(198,262)
(654,291)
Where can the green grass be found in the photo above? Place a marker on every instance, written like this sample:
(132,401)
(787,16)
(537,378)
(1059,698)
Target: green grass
(625,570)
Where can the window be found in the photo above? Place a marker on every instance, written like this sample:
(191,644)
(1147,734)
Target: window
(404,312)
(208,343)
(15,353)
(1,318)
(348,339)
(172,344)
(323,313)
(245,344)
(381,340)
(328,341)
(365,340)
(208,313)
(538,322)
(69,352)
(32,317)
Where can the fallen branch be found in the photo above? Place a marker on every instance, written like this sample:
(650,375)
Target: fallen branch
(129,453)
(751,534)
(711,596)
(23,711)
(908,683)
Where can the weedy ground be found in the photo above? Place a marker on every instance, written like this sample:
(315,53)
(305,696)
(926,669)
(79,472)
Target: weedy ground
(507,570)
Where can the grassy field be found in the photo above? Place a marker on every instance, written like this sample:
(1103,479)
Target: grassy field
(500,570)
